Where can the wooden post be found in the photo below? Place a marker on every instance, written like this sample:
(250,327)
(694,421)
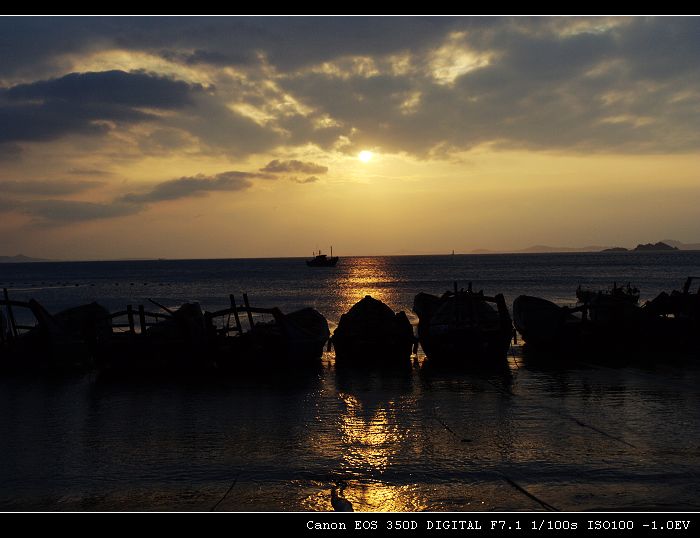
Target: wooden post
(2,328)
(503,314)
(10,315)
(239,328)
(457,316)
(247,307)
(130,315)
(142,319)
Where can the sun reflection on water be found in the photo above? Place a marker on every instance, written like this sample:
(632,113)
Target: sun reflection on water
(370,436)
(370,496)
(367,276)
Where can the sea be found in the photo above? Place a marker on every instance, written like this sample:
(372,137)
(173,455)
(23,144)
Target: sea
(574,434)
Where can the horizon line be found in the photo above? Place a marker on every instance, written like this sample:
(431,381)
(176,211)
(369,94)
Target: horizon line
(404,255)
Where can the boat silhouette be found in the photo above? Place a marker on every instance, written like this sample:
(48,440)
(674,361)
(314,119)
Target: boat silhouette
(322,260)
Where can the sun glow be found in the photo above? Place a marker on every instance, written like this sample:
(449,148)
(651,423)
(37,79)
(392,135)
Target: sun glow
(365,156)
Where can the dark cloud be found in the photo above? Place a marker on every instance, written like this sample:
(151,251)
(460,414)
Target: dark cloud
(540,90)
(135,89)
(214,58)
(36,122)
(81,103)
(47,187)
(293,166)
(222,130)
(660,48)
(288,42)
(198,185)
(552,83)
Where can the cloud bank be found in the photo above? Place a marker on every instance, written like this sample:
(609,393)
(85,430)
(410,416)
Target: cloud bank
(421,85)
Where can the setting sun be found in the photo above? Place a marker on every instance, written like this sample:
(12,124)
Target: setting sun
(365,156)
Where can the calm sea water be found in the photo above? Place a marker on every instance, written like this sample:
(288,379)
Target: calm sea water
(580,437)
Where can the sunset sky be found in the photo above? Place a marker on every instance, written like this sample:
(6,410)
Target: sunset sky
(274,136)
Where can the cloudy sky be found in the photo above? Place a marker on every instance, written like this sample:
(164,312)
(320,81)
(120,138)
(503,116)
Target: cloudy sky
(274,136)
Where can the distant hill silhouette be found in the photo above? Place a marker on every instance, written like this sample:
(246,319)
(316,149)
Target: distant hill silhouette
(682,246)
(665,245)
(661,246)
(20,258)
(655,247)
(546,248)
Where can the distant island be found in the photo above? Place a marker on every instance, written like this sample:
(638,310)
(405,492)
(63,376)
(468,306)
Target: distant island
(661,246)
(646,247)
(655,246)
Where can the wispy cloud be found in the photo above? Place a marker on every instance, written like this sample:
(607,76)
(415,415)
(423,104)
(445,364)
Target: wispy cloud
(53,212)
(89,172)
(199,185)
(311,179)
(293,166)
(57,211)
(47,187)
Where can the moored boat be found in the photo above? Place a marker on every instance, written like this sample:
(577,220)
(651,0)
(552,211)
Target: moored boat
(175,341)
(610,323)
(296,338)
(676,318)
(627,293)
(371,333)
(544,324)
(62,342)
(286,340)
(464,327)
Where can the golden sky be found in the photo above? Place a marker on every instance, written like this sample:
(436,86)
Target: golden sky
(192,137)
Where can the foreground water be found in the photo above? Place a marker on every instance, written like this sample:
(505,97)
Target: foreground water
(585,436)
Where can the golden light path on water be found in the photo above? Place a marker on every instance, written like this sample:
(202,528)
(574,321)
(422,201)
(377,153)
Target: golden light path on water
(374,436)
(367,431)
(367,276)
(368,435)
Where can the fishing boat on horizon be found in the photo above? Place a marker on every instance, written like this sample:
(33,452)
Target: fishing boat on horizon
(323,260)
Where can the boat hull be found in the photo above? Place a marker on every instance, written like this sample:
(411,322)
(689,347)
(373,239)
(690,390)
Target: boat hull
(463,328)
(543,324)
(371,333)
